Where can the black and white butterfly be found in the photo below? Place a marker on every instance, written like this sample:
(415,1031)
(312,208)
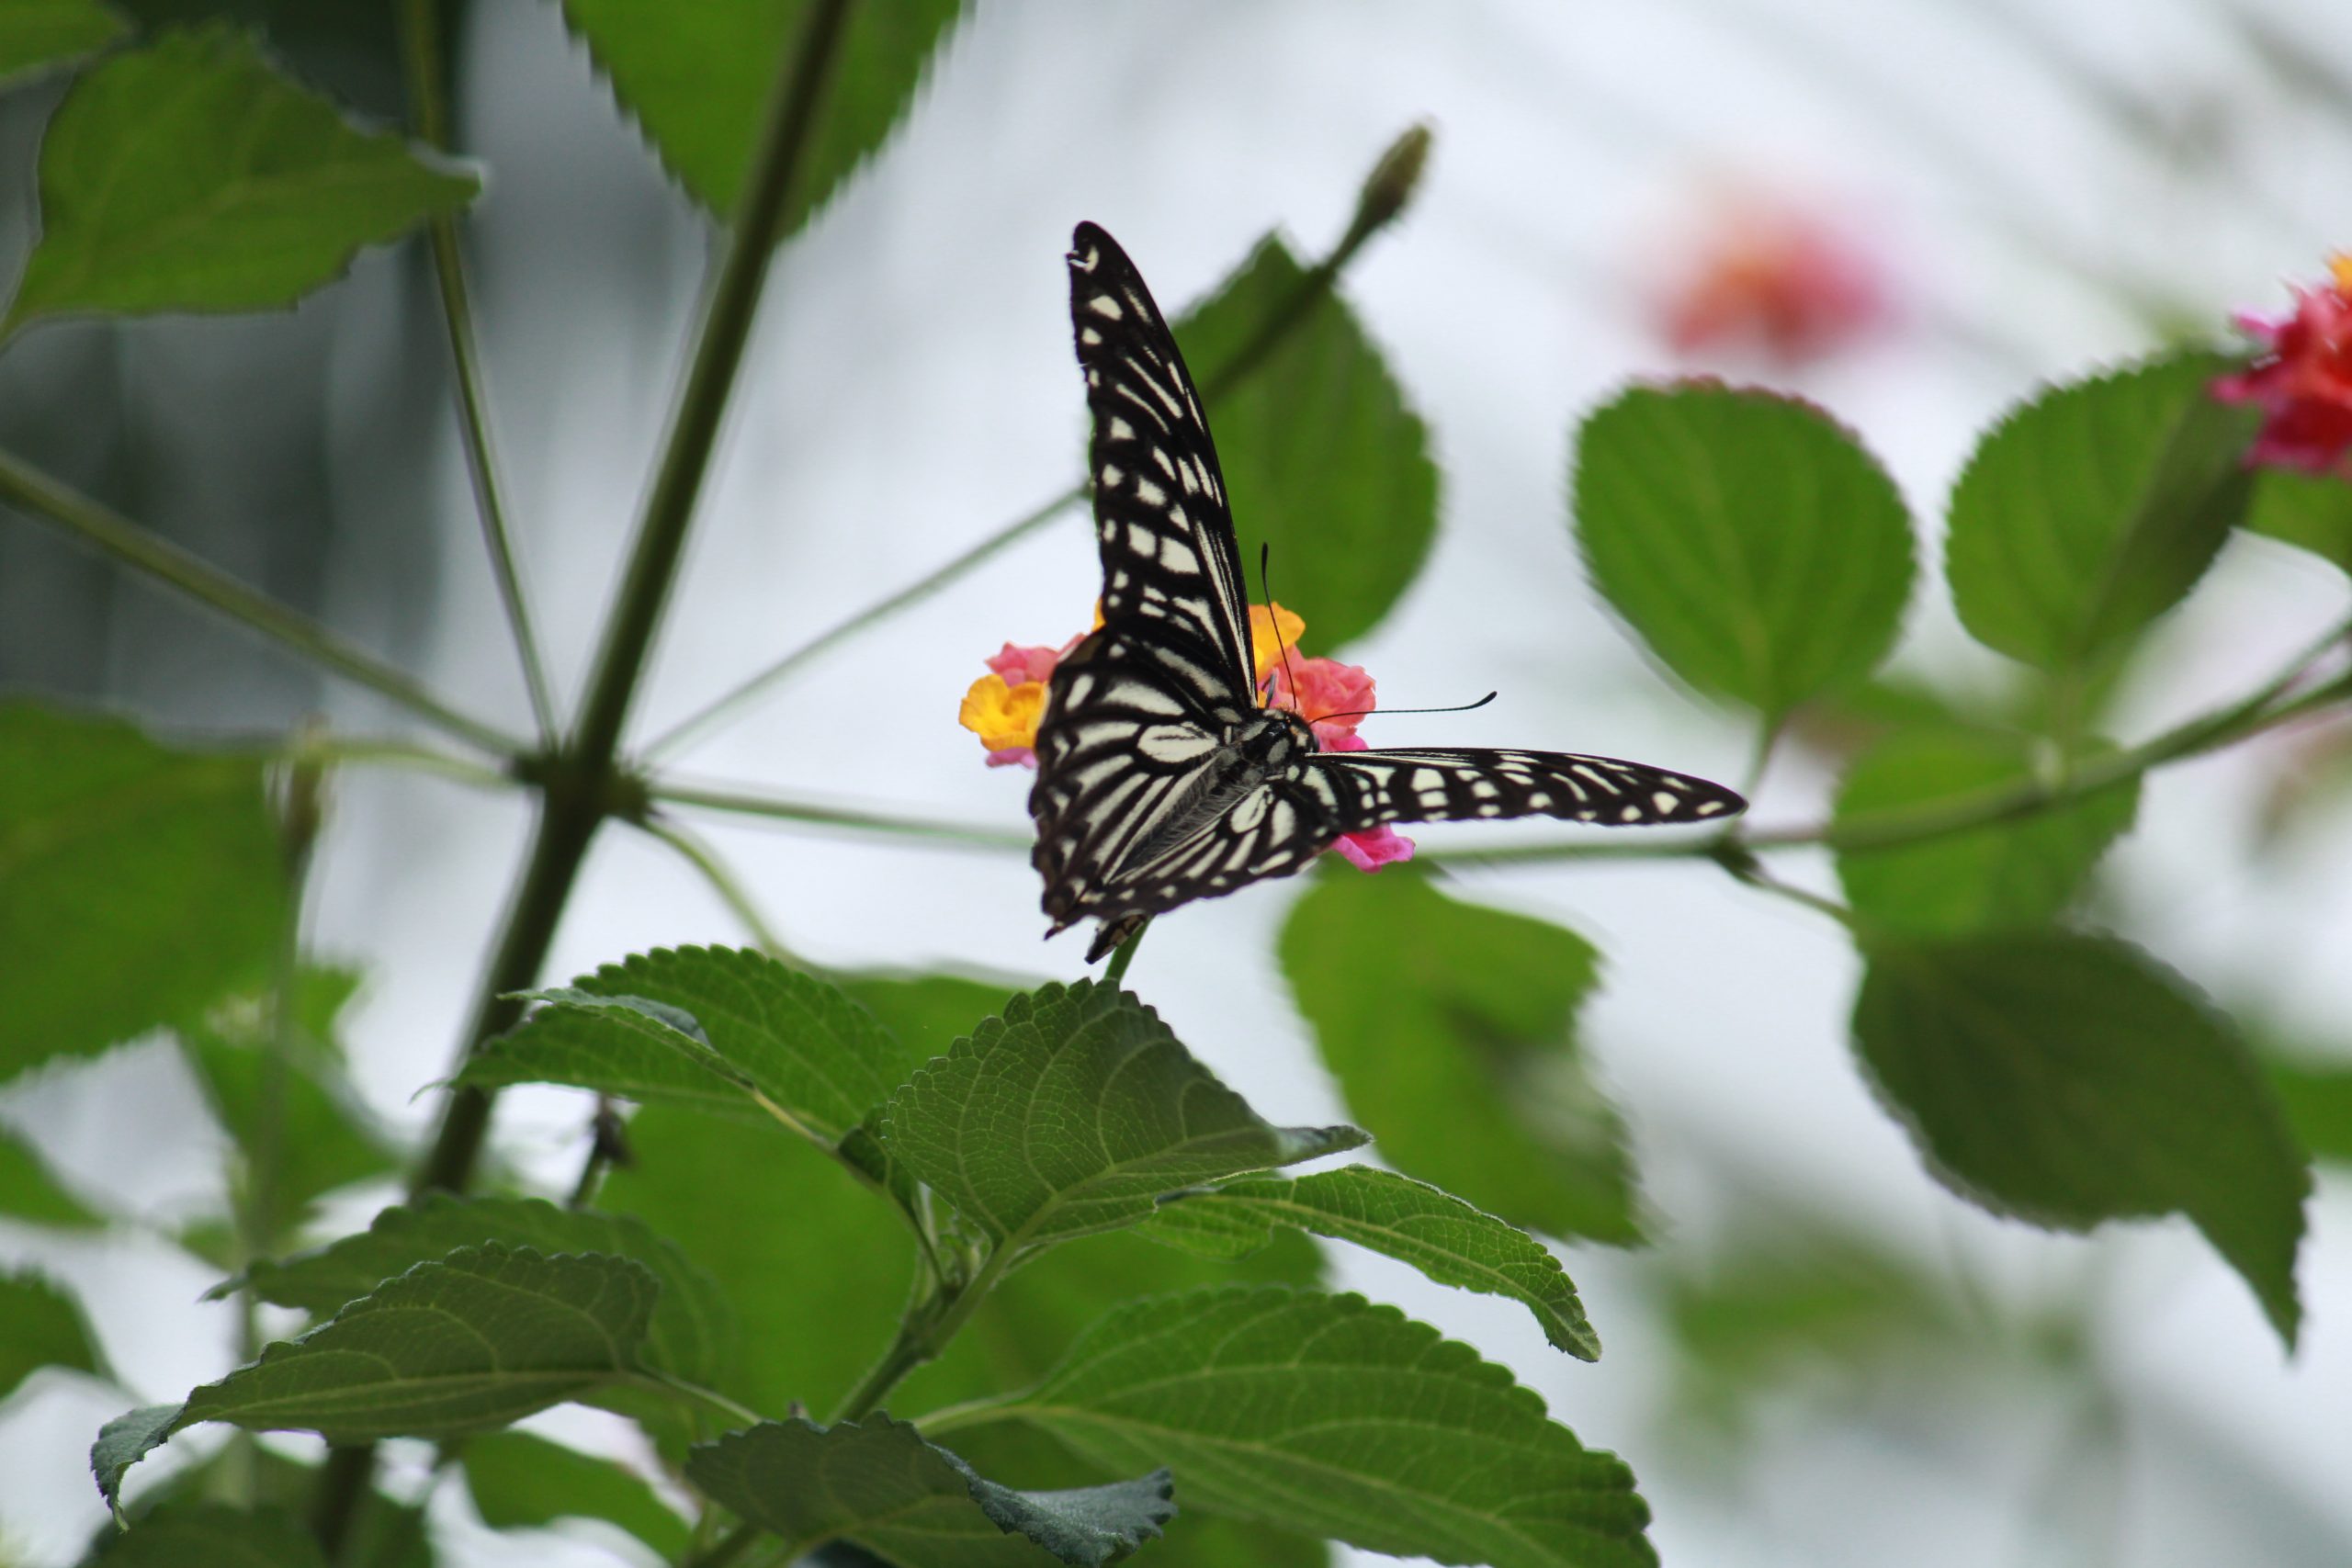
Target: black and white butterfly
(1160,778)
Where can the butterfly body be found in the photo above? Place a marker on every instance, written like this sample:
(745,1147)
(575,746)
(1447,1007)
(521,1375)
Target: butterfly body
(1161,778)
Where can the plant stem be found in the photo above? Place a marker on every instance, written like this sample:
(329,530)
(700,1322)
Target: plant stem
(923,1335)
(37,495)
(755,804)
(1117,970)
(723,1551)
(723,882)
(420,54)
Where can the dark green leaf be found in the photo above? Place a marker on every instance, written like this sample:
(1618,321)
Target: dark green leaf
(878,1484)
(41,1326)
(192,175)
(2017,873)
(1323,458)
(521,1481)
(213,1535)
(693,1333)
(1749,541)
(30,1193)
(928,1013)
(125,1440)
(614,1045)
(2091,509)
(2318,1101)
(1071,1113)
(384,1533)
(697,81)
(2069,1080)
(137,884)
(2311,510)
(1410,1221)
(1449,1028)
(36,35)
(1329,1414)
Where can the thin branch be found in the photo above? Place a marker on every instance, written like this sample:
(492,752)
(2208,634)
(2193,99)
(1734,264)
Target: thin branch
(780,808)
(723,881)
(37,495)
(420,54)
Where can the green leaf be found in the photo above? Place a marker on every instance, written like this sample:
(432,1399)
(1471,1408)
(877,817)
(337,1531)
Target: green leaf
(1330,1414)
(125,1440)
(36,35)
(623,1046)
(697,81)
(2318,1102)
(928,1013)
(30,1193)
(878,1484)
(2069,1080)
(1451,1030)
(213,1535)
(383,1534)
(2310,511)
(137,884)
(2093,509)
(1410,1221)
(193,175)
(41,1326)
(1749,540)
(1071,1113)
(1323,457)
(2019,873)
(692,1334)
(521,1481)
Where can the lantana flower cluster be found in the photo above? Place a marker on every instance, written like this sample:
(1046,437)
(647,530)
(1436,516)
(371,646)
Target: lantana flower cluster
(1003,708)
(2302,382)
(1775,278)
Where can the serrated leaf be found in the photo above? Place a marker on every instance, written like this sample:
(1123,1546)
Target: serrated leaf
(1071,1113)
(522,1482)
(1329,1414)
(614,1045)
(878,1484)
(2318,1101)
(928,1013)
(137,884)
(1749,541)
(213,1535)
(1451,1029)
(2312,511)
(697,81)
(2092,509)
(41,1326)
(692,1332)
(2069,1080)
(125,1440)
(1323,457)
(30,1192)
(1410,1221)
(192,175)
(2004,875)
(37,35)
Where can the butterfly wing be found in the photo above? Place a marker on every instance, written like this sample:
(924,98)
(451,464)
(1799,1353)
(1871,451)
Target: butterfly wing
(1364,789)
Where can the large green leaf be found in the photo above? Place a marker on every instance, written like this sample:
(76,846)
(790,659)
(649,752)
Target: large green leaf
(213,1535)
(1327,1413)
(521,1481)
(31,1194)
(137,884)
(2091,509)
(1410,1221)
(2009,874)
(1071,1113)
(41,1326)
(384,1533)
(193,175)
(1323,458)
(2311,510)
(2069,1080)
(877,1483)
(38,34)
(696,80)
(2318,1101)
(928,1013)
(1449,1028)
(1751,542)
(692,1334)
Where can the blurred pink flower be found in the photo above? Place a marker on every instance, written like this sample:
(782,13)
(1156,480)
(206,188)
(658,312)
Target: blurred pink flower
(1775,278)
(2302,382)
(1312,688)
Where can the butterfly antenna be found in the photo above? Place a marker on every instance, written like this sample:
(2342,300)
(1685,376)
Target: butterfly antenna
(1273,618)
(1362,713)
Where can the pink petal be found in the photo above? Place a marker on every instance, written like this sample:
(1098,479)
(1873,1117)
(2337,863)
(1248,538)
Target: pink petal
(1013,757)
(1373,848)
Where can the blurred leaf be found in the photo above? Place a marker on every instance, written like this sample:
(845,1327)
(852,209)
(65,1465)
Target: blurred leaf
(2307,783)
(2019,873)
(2093,509)
(213,1535)
(1330,1414)
(1071,1113)
(1451,1030)
(521,1481)
(1323,458)
(693,1332)
(696,80)
(30,1192)
(2068,1079)
(36,35)
(1410,1221)
(137,884)
(2318,1101)
(192,175)
(930,1012)
(1747,538)
(384,1533)
(41,1326)
(2306,510)
(878,1484)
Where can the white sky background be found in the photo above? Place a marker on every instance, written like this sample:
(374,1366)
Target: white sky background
(910,389)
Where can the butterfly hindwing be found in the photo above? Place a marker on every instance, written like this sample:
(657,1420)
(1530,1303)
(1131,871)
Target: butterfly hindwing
(1368,788)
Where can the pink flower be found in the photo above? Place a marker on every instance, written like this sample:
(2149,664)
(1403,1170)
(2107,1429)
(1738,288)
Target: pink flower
(1313,688)
(1774,278)
(2304,383)
(1003,708)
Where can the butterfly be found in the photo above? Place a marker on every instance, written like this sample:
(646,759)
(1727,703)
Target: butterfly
(1161,778)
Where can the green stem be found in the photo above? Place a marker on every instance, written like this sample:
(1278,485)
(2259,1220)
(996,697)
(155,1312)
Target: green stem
(723,882)
(1115,971)
(37,495)
(420,54)
(923,1335)
(723,1551)
(779,808)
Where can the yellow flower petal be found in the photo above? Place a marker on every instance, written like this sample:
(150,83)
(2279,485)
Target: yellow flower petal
(1265,651)
(2340,266)
(1002,716)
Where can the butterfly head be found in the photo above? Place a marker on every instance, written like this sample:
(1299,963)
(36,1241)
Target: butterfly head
(1272,739)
